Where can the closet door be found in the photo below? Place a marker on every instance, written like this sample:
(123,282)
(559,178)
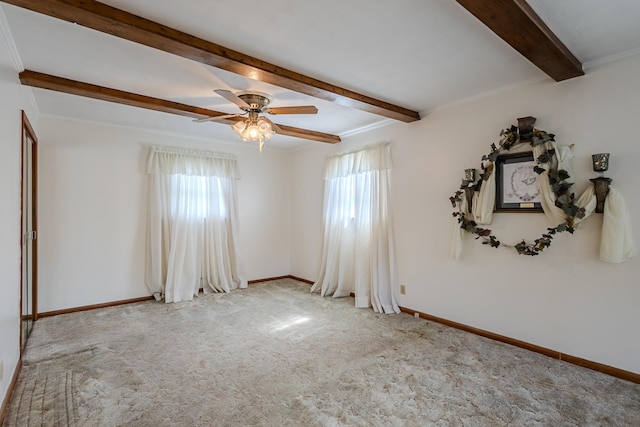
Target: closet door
(29,257)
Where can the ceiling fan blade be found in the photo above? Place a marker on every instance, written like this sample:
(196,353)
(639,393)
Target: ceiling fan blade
(214,118)
(303,109)
(230,96)
(308,134)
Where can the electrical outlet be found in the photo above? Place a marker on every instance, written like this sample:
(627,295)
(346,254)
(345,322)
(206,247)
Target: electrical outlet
(416,314)
(403,289)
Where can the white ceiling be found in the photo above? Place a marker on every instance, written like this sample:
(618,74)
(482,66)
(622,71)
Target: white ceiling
(419,54)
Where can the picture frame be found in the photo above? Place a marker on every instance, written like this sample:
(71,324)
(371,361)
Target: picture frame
(517,184)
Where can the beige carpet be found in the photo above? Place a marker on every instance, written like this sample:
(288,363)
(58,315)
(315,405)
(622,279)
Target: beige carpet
(275,355)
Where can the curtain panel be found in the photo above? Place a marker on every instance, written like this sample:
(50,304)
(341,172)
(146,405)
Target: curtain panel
(358,246)
(192,224)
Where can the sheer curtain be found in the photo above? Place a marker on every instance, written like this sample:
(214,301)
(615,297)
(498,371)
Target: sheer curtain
(192,223)
(358,247)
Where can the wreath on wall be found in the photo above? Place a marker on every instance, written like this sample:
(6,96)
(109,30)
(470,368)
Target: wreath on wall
(547,162)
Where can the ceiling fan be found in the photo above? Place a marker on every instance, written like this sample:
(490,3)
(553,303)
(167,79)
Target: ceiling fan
(252,103)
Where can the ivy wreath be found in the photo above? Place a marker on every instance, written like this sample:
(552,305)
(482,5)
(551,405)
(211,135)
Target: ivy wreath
(546,162)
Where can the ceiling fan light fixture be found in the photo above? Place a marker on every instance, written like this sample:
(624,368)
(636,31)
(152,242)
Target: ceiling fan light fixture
(264,127)
(239,127)
(254,128)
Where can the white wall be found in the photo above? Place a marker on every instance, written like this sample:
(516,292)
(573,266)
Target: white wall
(564,299)
(93,193)
(13,99)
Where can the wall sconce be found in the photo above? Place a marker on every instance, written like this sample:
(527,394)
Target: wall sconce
(525,128)
(600,183)
(468,183)
(470,175)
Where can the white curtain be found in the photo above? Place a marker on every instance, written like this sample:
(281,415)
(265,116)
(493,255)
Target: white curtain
(483,200)
(562,160)
(458,232)
(192,223)
(358,247)
(616,242)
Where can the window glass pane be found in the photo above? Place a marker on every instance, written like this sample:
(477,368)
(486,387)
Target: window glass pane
(197,197)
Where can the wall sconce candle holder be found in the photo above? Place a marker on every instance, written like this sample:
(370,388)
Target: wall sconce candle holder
(600,183)
(525,128)
(470,175)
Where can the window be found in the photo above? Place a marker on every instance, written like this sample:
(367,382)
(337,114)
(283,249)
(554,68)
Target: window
(197,197)
(358,253)
(192,237)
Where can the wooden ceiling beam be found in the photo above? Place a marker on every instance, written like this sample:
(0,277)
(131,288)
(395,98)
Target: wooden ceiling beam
(59,84)
(519,25)
(119,23)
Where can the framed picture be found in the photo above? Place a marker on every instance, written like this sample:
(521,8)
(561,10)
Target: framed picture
(517,185)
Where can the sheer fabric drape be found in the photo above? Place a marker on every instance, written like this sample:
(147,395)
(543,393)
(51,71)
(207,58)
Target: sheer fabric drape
(192,223)
(358,247)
